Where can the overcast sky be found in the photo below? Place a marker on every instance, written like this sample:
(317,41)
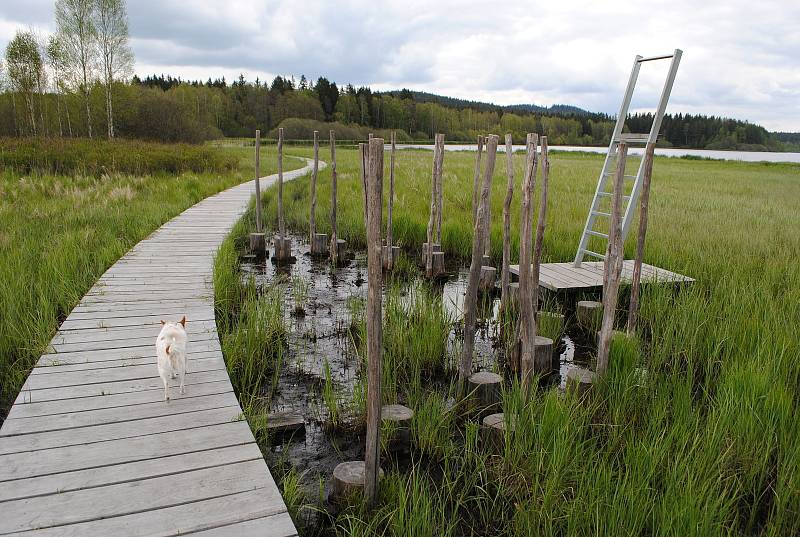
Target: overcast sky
(741,59)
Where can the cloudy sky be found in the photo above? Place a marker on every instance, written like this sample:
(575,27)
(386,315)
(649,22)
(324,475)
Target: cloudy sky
(741,59)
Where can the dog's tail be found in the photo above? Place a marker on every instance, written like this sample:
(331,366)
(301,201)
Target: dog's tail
(169,348)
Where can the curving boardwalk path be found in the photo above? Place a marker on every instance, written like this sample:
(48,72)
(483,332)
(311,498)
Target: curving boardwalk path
(91,449)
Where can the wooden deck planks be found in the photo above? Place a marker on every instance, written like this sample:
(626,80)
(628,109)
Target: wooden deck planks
(565,277)
(90,447)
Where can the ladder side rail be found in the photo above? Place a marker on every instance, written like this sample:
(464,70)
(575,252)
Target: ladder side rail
(612,149)
(630,210)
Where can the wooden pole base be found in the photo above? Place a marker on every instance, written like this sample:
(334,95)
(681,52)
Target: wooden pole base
(341,251)
(485,388)
(486,261)
(399,417)
(487,279)
(258,243)
(590,315)
(513,295)
(319,244)
(544,364)
(493,431)
(436,248)
(580,381)
(385,253)
(348,481)
(283,250)
(437,265)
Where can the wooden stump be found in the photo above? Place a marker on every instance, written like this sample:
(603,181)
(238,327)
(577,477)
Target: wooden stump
(579,381)
(395,255)
(493,431)
(486,261)
(436,248)
(437,265)
(513,295)
(487,279)
(400,418)
(258,243)
(283,250)
(348,481)
(286,425)
(319,244)
(543,356)
(341,250)
(590,315)
(485,389)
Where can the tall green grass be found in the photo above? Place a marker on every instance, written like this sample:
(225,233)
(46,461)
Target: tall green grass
(693,432)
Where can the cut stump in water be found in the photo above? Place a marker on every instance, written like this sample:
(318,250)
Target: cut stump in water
(399,417)
(590,314)
(319,244)
(580,381)
(348,481)
(285,425)
(436,248)
(486,261)
(437,265)
(258,243)
(487,279)
(395,255)
(485,388)
(513,295)
(283,250)
(543,356)
(494,431)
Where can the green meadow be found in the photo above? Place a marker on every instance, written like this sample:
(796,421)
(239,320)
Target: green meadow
(705,443)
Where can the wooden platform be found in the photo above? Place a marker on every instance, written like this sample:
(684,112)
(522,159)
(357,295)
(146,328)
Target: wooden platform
(565,277)
(90,448)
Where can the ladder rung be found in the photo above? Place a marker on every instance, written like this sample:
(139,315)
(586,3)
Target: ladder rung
(600,213)
(637,137)
(609,194)
(597,234)
(625,176)
(652,58)
(593,254)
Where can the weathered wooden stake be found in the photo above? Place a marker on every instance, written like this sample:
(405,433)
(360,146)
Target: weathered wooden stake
(258,240)
(363,149)
(312,216)
(527,319)
(537,250)
(613,264)
(476,180)
(471,298)
(505,276)
(432,219)
(389,236)
(439,187)
(334,250)
(487,226)
(281,223)
(633,312)
(374,334)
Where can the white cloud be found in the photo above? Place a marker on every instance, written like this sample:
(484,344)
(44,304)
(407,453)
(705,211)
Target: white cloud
(738,61)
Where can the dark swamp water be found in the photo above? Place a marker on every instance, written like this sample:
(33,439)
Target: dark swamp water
(320,334)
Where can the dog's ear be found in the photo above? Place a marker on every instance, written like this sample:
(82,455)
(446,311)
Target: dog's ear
(183,321)
(163,322)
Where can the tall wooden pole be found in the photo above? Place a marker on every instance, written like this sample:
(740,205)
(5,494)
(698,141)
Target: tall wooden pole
(281,223)
(334,246)
(540,225)
(434,206)
(363,150)
(389,235)
(613,264)
(374,335)
(476,180)
(527,320)
(259,225)
(505,276)
(439,187)
(633,312)
(312,217)
(471,298)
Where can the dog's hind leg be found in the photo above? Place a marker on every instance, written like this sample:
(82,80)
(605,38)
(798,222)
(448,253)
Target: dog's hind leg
(166,387)
(182,374)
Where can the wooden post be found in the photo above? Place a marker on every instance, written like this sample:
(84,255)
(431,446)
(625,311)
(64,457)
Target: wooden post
(613,264)
(389,235)
(471,298)
(505,276)
(334,238)
(312,218)
(439,187)
(527,320)
(476,180)
(374,335)
(537,250)
(434,206)
(633,312)
(259,225)
(487,229)
(281,223)
(362,154)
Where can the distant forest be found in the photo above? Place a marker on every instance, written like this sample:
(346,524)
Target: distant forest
(169,109)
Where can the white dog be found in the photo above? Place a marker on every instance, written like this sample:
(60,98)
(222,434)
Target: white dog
(171,353)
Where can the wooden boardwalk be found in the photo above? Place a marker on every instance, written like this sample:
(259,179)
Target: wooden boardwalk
(564,277)
(91,449)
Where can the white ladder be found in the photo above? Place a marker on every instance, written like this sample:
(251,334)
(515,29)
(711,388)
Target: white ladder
(609,165)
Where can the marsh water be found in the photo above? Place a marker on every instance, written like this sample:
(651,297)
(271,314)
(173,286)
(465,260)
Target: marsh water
(320,304)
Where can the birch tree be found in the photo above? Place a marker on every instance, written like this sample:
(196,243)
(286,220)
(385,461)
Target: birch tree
(78,36)
(116,57)
(24,64)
